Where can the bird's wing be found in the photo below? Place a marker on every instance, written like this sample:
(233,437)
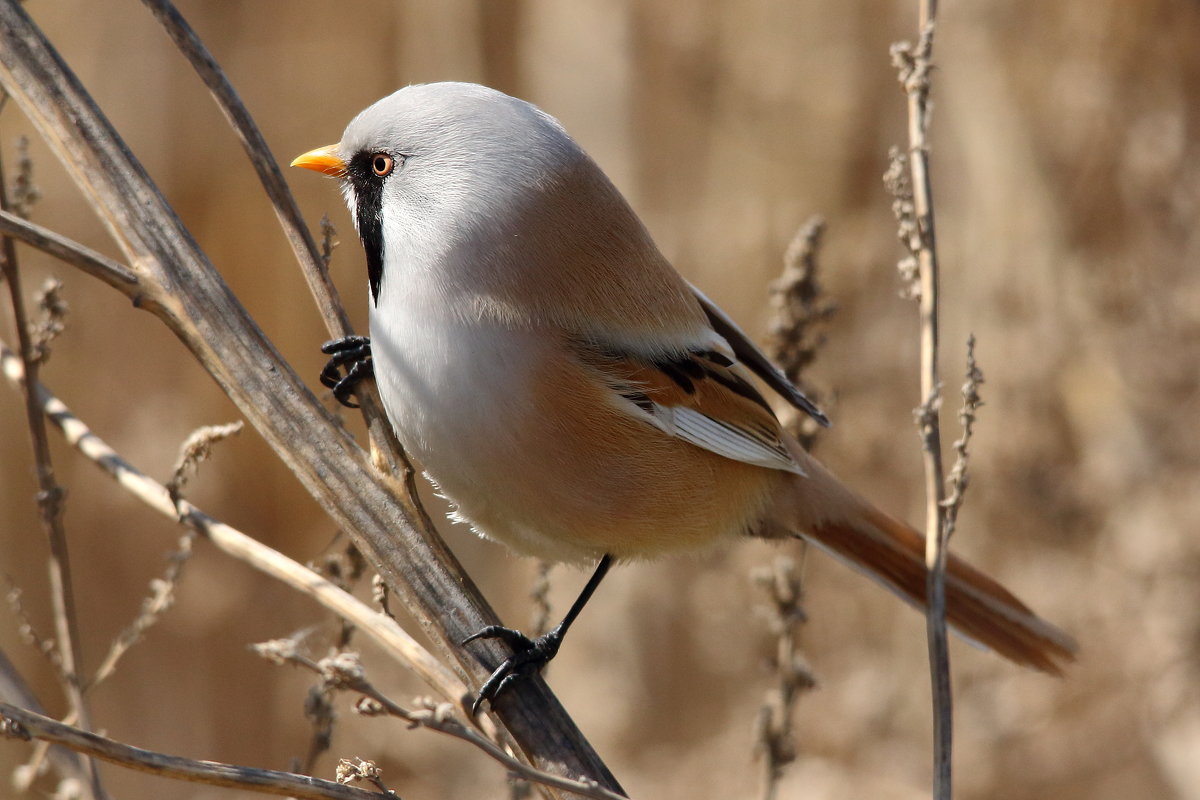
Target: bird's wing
(755,359)
(701,396)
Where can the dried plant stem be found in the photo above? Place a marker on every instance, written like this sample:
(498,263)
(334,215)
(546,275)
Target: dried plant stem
(384,630)
(50,498)
(539,593)
(799,309)
(160,599)
(25,627)
(775,739)
(343,671)
(914,65)
(23,724)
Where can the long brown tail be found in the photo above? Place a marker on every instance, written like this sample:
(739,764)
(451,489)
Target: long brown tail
(824,511)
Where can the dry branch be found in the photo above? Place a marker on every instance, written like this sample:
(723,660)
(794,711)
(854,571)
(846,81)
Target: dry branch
(775,737)
(343,671)
(914,64)
(176,282)
(22,724)
(154,605)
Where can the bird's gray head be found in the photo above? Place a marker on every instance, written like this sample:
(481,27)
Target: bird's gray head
(486,198)
(433,164)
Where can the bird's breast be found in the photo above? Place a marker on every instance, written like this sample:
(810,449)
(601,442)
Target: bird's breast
(449,385)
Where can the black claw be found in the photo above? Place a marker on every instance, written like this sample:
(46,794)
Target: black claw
(530,655)
(513,638)
(505,682)
(354,354)
(528,658)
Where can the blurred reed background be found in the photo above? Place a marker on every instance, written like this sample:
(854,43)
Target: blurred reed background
(1067,174)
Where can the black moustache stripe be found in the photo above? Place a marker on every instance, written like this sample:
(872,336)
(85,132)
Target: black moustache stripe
(368,194)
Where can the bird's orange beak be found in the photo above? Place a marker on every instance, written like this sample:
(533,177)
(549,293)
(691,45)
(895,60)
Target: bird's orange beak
(323,159)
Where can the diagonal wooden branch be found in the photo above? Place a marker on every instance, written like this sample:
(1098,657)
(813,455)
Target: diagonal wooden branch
(23,724)
(177,283)
(389,454)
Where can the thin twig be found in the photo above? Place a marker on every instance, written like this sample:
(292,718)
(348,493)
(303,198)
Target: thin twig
(22,724)
(798,310)
(50,496)
(28,632)
(318,710)
(343,566)
(539,593)
(775,738)
(196,449)
(160,599)
(359,769)
(344,671)
(914,65)
(539,623)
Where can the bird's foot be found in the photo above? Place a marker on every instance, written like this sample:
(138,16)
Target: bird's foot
(528,658)
(354,354)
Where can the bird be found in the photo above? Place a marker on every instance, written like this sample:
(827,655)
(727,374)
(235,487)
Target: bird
(568,391)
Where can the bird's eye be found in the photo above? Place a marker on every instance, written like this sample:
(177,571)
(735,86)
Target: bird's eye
(382,164)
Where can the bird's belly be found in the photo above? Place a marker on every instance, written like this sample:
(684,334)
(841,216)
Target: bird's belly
(533,451)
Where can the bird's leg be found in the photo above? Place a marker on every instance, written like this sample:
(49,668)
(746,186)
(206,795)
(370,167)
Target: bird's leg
(354,351)
(530,655)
